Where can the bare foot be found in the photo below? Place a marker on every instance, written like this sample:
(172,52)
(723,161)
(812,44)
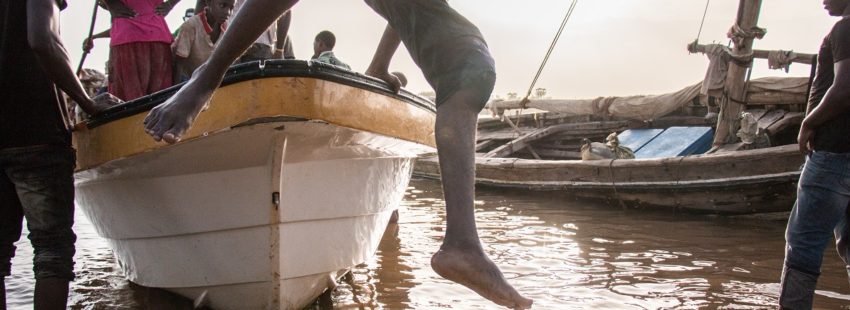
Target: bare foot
(473,269)
(171,119)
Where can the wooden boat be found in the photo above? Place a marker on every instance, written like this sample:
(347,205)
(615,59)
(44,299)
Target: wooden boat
(540,151)
(286,181)
(732,178)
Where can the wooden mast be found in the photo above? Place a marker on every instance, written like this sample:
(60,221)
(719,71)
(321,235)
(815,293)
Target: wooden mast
(732,104)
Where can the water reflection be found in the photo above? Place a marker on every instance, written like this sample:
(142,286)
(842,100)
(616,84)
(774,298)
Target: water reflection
(565,254)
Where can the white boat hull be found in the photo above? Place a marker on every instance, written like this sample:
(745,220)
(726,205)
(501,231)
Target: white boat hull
(262,216)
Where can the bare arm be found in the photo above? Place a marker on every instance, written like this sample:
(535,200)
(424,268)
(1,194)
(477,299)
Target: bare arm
(88,43)
(44,39)
(835,102)
(118,9)
(253,18)
(282,31)
(170,120)
(166,7)
(380,65)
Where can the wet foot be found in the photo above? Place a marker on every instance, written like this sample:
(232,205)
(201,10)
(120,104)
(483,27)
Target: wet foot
(473,269)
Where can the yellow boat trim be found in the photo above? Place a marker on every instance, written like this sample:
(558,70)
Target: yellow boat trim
(234,104)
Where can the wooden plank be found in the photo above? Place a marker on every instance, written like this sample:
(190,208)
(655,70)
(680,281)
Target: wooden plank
(558,154)
(771,117)
(757,113)
(790,119)
(503,134)
(562,147)
(801,58)
(525,140)
(519,143)
(775,98)
(484,144)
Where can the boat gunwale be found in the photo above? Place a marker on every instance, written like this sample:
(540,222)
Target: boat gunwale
(267,69)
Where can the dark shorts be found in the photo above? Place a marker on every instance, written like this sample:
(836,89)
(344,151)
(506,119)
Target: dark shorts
(38,183)
(474,71)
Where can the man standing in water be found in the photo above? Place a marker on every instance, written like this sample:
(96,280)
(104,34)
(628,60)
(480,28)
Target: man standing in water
(456,62)
(36,158)
(823,192)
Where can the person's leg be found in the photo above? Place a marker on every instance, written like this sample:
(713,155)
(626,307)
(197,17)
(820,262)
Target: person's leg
(11,218)
(818,210)
(161,74)
(127,80)
(461,258)
(842,238)
(3,295)
(44,184)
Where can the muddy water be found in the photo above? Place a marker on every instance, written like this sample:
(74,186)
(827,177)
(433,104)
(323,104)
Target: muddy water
(565,254)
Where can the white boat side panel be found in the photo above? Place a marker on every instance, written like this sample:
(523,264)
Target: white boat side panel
(295,294)
(197,260)
(176,205)
(342,188)
(320,246)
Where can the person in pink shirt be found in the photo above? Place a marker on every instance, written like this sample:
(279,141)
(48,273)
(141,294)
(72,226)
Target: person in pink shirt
(140,47)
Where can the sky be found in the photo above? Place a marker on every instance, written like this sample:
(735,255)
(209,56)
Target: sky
(608,48)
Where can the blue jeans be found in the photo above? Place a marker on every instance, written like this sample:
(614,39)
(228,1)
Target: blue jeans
(820,212)
(38,183)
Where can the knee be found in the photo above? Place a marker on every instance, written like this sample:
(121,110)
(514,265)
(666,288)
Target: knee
(54,262)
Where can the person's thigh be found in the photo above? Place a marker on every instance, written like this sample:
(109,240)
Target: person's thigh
(44,184)
(821,205)
(11,219)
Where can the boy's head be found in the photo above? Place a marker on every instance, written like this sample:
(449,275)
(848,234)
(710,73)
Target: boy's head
(219,10)
(324,42)
(836,7)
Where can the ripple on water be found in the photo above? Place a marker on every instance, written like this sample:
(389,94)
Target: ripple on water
(562,253)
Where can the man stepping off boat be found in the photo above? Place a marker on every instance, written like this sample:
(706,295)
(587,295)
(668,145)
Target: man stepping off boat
(455,60)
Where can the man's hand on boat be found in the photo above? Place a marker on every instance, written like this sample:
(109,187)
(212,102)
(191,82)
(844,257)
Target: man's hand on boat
(100,103)
(171,119)
(390,78)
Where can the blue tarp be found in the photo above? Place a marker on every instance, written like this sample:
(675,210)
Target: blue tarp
(637,138)
(670,142)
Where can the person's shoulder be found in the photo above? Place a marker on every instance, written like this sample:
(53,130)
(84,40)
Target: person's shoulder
(842,26)
(193,22)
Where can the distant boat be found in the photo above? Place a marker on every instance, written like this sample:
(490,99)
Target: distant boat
(671,170)
(286,182)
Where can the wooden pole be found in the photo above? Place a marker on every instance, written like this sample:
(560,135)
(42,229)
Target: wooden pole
(731,106)
(91,32)
(801,58)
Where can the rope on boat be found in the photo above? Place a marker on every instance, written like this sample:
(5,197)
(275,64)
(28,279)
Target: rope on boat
(704,14)
(549,52)
(614,184)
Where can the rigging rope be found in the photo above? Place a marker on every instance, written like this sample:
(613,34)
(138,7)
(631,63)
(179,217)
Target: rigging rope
(549,52)
(704,14)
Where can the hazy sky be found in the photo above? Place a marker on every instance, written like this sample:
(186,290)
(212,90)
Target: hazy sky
(609,47)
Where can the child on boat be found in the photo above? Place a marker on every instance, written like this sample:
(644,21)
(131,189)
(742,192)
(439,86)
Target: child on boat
(323,50)
(455,59)
(197,37)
